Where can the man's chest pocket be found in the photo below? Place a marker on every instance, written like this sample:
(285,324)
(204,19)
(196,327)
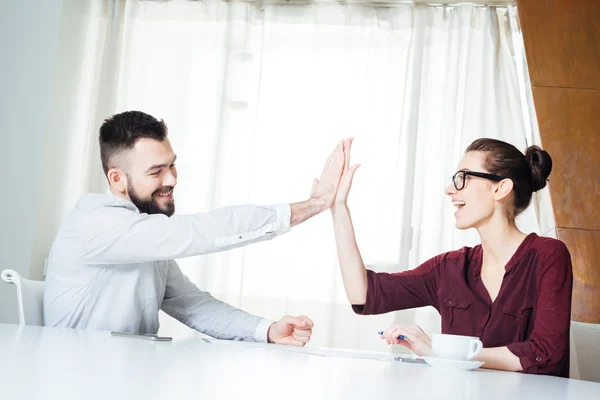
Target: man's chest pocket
(456,319)
(518,320)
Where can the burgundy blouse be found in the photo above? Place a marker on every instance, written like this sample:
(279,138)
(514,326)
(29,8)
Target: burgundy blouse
(531,314)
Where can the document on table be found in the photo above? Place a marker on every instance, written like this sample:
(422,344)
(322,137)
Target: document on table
(323,351)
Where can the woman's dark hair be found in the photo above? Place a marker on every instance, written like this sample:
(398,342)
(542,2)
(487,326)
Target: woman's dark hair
(529,172)
(120,132)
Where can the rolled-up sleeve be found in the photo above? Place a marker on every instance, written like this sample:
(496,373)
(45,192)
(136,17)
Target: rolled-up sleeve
(547,349)
(399,291)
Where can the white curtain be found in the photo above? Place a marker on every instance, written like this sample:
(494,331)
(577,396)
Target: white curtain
(256,95)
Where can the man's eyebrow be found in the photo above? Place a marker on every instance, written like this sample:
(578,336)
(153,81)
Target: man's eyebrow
(157,166)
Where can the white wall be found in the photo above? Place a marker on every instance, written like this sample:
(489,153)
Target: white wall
(29,32)
(74,104)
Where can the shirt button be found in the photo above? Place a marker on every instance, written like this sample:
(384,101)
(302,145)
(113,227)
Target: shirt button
(480,330)
(450,303)
(538,359)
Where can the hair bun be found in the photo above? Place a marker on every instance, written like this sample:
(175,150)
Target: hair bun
(540,163)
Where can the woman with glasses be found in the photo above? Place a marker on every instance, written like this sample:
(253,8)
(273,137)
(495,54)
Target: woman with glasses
(513,290)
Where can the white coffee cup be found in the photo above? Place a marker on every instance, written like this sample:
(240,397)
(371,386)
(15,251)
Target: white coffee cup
(455,347)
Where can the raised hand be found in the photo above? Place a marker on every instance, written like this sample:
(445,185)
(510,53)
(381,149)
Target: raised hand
(327,187)
(347,175)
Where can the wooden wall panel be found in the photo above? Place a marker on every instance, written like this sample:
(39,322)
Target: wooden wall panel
(569,121)
(562,42)
(584,247)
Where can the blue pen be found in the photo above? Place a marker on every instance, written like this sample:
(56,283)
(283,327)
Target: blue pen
(401,337)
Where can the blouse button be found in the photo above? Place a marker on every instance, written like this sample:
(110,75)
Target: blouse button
(450,303)
(538,359)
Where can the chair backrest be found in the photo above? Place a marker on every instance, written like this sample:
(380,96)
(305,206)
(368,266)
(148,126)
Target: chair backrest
(585,351)
(30,297)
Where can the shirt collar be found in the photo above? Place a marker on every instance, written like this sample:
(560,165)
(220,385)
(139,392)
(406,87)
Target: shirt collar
(514,260)
(125,202)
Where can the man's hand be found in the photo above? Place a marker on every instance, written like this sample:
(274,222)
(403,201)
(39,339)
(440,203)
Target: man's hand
(294,331)
(326,188)
(414,338)
(323,192)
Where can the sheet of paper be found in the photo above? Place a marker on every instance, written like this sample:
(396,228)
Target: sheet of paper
(319,351)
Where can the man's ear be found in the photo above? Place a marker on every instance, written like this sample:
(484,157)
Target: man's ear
(503,189)
(117,180)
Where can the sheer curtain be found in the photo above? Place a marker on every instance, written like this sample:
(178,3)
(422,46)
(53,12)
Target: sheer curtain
(256,95)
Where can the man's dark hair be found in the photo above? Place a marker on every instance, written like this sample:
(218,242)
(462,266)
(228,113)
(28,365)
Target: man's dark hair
(120,132)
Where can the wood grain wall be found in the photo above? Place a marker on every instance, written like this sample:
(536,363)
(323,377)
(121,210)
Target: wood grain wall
(562,44)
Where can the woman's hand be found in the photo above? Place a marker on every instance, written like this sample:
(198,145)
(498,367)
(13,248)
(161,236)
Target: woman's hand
(413,338)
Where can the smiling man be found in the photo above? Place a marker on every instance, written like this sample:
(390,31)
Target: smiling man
(111,266)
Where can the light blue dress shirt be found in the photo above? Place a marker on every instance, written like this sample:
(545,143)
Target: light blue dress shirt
(112,268)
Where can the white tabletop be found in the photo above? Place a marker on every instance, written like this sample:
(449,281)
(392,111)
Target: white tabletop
(49,363)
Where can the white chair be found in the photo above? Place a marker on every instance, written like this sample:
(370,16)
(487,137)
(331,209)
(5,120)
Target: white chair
(30,297)
(585,351)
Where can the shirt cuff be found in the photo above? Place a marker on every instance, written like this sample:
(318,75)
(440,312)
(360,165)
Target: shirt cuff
(284,216)
(530,361)
(369,306)
(262,330)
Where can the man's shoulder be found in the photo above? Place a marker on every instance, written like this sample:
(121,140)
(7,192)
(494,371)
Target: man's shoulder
(97,210)
(94,201)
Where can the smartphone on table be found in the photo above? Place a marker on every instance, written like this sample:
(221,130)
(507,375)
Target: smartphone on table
(146,336)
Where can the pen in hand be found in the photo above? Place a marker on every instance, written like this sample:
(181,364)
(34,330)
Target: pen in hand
(401,337)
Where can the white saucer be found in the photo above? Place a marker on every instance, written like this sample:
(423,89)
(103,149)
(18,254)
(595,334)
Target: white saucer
(453,364)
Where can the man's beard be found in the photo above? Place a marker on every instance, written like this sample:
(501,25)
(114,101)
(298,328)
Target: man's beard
(149,205)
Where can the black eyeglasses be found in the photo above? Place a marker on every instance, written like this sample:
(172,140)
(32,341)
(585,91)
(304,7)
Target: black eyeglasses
(459,178)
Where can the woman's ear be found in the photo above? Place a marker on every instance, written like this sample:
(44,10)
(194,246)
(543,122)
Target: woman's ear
(503,189)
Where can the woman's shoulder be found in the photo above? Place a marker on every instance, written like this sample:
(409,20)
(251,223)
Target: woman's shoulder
(459,258)
(548,254)
(548,246)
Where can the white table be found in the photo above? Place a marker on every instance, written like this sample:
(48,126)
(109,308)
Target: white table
(49,363)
